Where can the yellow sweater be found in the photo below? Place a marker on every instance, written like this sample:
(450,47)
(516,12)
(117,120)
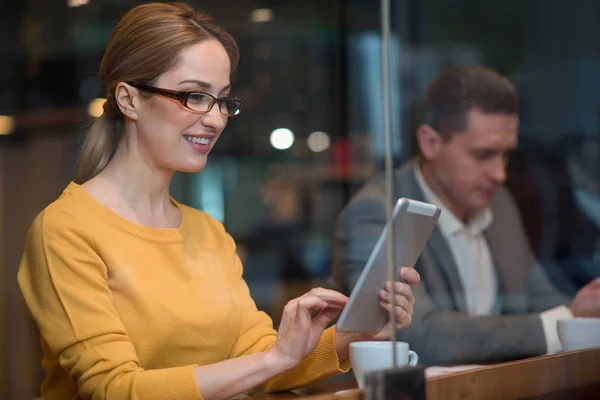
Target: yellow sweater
(125,311)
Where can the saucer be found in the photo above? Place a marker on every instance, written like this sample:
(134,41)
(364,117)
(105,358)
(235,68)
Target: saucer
(345,391)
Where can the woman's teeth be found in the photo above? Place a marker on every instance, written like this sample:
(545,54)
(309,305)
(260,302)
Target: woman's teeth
(197,139)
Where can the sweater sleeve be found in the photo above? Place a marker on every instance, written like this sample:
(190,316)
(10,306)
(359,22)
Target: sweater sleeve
(65,285)
(256,334)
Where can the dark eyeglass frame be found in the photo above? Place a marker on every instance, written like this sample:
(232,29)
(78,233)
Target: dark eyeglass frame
(183,97)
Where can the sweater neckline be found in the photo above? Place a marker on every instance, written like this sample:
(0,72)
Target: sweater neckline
(126,225)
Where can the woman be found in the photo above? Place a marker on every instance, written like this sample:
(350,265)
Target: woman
(138,296)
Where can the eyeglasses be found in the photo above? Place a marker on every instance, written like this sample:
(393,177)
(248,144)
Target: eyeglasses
(198,102)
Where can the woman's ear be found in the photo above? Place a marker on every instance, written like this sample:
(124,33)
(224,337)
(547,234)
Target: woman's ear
(127,97)
(430,142)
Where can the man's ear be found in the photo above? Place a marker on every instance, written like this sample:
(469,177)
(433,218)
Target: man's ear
(430,142)
(127,98)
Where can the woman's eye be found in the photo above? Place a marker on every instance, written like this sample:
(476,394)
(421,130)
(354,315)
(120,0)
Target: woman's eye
(197,98)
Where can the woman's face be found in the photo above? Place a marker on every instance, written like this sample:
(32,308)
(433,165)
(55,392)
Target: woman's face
(171,137)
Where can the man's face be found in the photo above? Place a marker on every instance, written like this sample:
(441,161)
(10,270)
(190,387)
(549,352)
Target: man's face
(469,166)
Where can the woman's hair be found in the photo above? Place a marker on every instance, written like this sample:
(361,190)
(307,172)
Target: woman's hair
(146,43)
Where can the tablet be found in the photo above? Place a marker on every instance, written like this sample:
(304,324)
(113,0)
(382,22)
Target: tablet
(412,223)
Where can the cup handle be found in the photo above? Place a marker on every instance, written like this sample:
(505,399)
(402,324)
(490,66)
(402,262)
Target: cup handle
(413,358)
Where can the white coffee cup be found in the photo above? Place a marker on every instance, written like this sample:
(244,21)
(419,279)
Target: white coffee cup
(372,355)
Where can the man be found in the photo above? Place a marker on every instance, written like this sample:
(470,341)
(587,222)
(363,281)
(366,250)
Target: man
(482,296)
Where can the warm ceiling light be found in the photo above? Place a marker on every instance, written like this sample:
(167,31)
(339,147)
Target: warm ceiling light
(318,141)
(95,108)
(282,138)
(77,3)
(261,15)
(7,124)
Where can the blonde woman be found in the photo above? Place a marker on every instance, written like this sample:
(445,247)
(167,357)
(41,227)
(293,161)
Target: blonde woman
(137,296)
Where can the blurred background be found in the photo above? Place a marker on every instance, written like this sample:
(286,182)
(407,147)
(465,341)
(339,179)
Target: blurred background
(311,132)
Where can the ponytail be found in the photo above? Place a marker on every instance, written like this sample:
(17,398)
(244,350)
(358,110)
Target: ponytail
(98,148)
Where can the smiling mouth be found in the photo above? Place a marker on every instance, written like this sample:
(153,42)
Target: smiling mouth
(198,140)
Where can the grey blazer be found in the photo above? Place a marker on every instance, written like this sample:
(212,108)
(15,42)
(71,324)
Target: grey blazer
(441,331)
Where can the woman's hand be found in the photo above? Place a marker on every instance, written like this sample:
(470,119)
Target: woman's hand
(303,322)
(405,302)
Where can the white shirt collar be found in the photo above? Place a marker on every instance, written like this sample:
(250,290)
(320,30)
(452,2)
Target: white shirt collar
(448,222)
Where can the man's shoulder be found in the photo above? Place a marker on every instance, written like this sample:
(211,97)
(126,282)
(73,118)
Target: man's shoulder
(374,188)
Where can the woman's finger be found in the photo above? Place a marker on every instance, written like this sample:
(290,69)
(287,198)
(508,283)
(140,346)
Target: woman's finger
(330,296)
(402,289)
(311,303)
(305,308)
(403,319)
(400,301)
(410,276)
(300,310)
(327,315)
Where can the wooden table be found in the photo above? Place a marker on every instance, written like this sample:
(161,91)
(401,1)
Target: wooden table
(572,375)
